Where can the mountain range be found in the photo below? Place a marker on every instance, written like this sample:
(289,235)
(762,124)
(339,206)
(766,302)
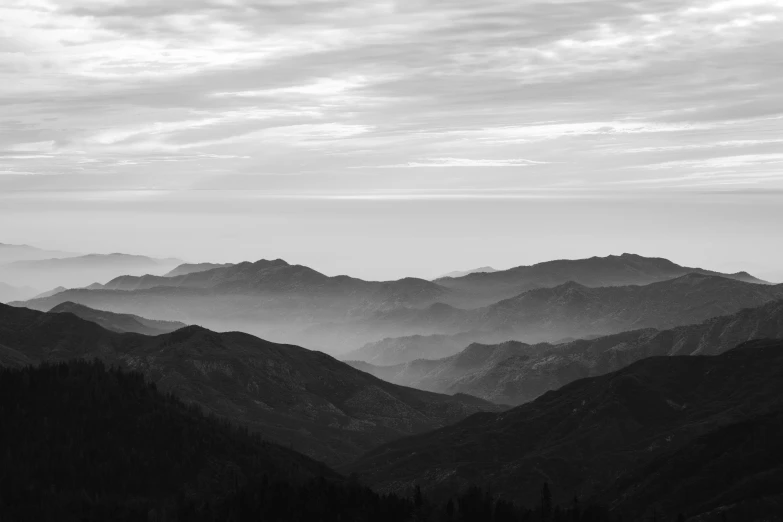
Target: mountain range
(568,310)
(622,270)
(514,372)
(293,303)
(270,298)
(91,443)
(624,381)
(318,405)
(608,436)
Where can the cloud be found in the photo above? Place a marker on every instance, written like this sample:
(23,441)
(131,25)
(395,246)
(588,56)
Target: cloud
(97,91)
(463,162)
(696,146)
(721,162)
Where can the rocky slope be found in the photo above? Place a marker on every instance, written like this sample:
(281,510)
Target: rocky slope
(119,322)
(295,396)
(598,433)
(622,270)
(514,373)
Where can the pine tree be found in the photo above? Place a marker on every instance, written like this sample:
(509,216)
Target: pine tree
(546,503)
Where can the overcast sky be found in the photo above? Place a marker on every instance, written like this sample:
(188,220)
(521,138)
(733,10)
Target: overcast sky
(385,138)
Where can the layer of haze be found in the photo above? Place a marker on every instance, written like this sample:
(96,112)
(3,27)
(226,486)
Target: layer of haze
(386,138)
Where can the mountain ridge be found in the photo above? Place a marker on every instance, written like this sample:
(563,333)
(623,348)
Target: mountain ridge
(120,323)
(321,406)
(586,436)
(515,378)
(612,270)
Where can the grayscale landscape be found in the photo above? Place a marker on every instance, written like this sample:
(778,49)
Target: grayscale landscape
(342,261)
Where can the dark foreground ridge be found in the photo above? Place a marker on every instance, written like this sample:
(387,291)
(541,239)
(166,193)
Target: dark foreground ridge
(298,397)
(97,444)
(690,434)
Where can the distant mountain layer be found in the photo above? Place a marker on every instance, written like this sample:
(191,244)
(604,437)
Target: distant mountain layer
(83,270)
(460,273)
(10,293)
(573,310)
(272,298)
(654,423)
(514,373)
(11,253)
(626,269)
(51,292)
(191,268)
(292,303)
(119,322)
(399,350)
(307,399)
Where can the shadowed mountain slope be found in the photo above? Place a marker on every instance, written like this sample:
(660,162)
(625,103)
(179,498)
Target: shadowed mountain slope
(399,350)
(622,270)
(734,472)
(91,443)
(514,373)
(317,404)
(119,322)
(593,433)
(446,373)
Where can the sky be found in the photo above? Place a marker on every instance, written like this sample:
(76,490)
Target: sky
(384,138)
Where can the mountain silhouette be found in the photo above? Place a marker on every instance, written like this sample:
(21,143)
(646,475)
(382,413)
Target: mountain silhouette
(92,443)
(269,297)
(514,373)
(599,433)
(191,268)
(307,399)
(460,273)
(577,311)
(296,304)
(118,322)
(622,270)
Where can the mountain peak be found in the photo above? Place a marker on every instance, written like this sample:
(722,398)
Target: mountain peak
(270,262)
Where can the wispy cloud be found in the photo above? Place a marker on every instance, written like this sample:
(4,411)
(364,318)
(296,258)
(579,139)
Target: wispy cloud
(721,162)
(110,92)
(464,162)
